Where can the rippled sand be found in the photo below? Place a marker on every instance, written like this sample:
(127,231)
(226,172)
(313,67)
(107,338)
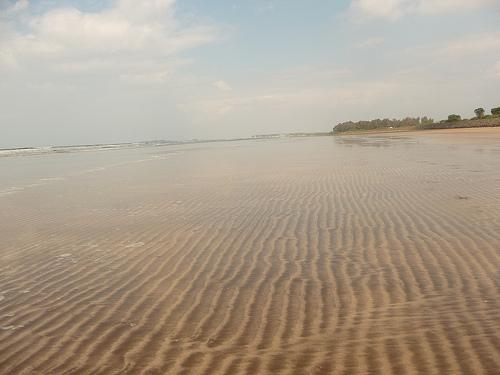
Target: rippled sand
(356,254)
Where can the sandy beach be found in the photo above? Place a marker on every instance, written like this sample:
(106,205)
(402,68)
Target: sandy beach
(359,254)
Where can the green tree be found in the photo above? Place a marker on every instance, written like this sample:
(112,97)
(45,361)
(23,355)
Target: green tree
(426,121)
(479,112)
(495,111)
(452,118)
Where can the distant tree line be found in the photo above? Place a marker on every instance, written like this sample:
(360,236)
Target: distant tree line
(453,118)
(408,122)
(479,112)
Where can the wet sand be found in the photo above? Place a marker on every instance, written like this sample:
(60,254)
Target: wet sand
(360,254)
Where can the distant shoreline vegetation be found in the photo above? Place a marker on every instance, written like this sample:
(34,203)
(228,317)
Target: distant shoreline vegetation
(422,123)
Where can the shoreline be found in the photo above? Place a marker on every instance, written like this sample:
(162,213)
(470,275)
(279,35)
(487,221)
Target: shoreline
(34,151)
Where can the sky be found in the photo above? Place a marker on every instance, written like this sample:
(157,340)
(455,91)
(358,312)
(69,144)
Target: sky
(87,71)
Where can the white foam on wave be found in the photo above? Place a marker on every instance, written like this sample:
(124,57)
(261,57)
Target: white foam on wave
(98,169)
(11,190)
(39,182)
(48,179)
(22,151)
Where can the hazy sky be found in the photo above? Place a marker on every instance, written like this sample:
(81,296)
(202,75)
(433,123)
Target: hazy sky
(87,71)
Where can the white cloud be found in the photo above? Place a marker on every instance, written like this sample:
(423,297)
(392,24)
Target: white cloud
(459,51)
(394,9)
(370,42)
(475,44)
(266,7)
(441,6)
(312,74)
(211,107)
(146,78)
(14,8)
(290,100)
(496,69)
(143,33)
(378,8)
(222,86)
(8,60)
(144,10)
